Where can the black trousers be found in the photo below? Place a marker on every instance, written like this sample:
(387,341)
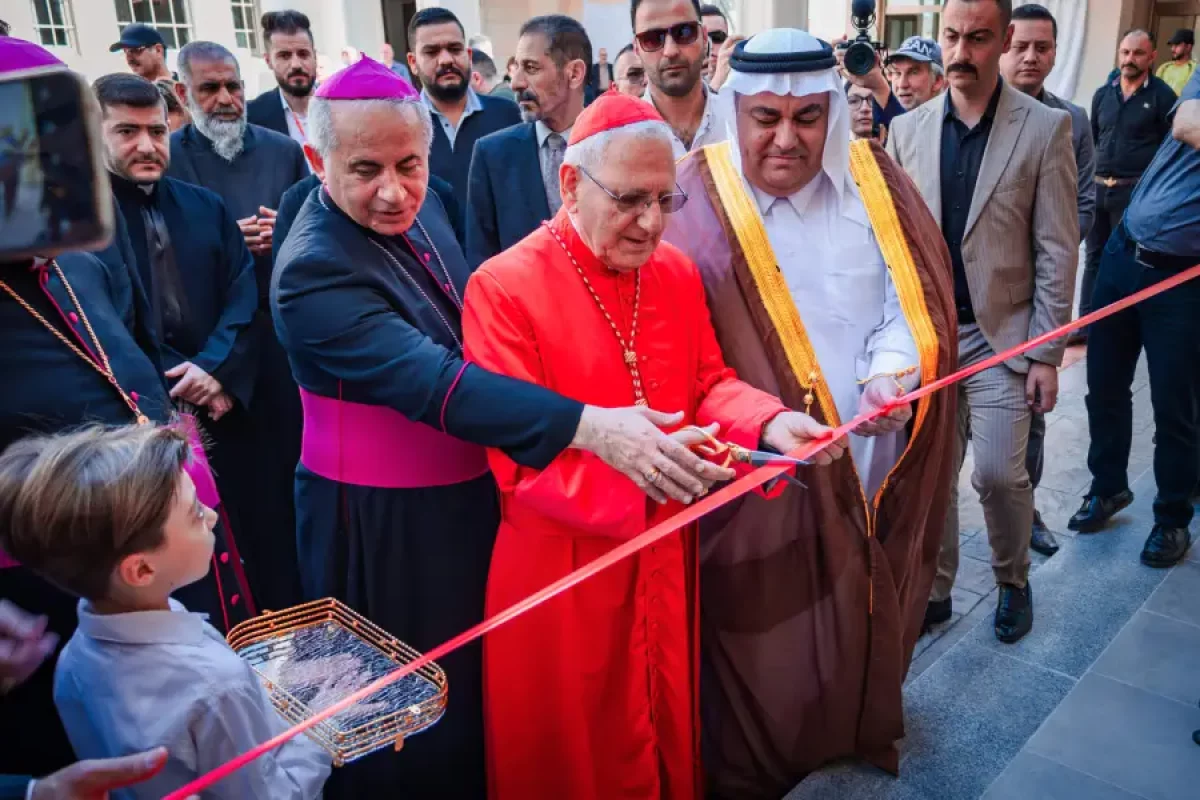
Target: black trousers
(1110,207)
(1168,327)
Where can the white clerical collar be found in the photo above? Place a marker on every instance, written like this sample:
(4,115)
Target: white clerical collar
(543,133)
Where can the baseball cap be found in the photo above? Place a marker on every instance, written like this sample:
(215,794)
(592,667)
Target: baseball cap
(1183,36)
(918,48)
(137,35)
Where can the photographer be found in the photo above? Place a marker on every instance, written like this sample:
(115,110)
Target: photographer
(884,104)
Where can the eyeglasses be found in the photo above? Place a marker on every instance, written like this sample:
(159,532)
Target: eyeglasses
(857,101)
(637,202)
(717,37)
(683,34)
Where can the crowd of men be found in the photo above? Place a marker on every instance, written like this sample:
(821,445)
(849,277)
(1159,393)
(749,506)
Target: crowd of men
(449,334)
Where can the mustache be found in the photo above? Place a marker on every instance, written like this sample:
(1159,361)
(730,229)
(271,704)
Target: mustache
(527,96)
(966,69)
(155,160)
(450,71)
(299,72)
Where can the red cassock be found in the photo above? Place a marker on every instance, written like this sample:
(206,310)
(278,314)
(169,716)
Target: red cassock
(594,694)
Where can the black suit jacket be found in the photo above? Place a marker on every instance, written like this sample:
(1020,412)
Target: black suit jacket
(453,165)
(267,110)
(506,196)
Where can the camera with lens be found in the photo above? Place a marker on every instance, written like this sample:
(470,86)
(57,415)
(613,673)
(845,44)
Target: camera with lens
(860,54)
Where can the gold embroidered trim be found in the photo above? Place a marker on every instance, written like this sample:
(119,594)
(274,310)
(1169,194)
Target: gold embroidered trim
(772,288)
(885,222)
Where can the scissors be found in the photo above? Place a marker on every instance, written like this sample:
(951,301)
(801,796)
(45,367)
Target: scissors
(715,448)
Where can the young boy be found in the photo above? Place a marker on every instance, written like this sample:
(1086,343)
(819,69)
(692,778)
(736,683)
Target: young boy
(109,514)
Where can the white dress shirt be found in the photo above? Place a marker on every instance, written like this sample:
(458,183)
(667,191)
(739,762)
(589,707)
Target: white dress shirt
(297,125)
(714,127)
(847,301)
(130,682)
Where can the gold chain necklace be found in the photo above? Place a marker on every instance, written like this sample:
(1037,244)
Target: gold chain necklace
(104,367)
(627,349)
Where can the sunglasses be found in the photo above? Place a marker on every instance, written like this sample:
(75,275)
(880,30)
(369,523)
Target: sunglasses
(683,34)
(637,202)
(718,37)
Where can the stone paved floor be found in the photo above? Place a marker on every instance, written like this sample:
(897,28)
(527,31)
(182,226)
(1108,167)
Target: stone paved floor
(1099,701)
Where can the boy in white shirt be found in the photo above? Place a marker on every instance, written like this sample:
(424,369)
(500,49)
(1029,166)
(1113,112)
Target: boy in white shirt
(111,515)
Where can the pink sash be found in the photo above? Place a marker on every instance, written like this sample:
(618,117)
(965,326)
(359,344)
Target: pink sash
(367,445)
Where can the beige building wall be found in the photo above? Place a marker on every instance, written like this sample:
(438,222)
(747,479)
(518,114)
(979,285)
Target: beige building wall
(336,23)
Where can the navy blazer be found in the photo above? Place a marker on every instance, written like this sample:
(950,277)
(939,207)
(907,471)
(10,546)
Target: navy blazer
(453,166)
(358,326)
(267,110)
(506,198)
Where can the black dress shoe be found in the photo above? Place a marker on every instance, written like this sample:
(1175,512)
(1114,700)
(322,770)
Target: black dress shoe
(1043,540)
(937,612)
(1014,613)
(1166,547)
(1097,510)
(1196,737)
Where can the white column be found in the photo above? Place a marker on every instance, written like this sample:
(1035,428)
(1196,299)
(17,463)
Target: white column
(467,11)
(759,15)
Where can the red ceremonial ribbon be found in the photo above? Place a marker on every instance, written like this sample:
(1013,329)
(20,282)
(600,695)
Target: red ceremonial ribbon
(665,528)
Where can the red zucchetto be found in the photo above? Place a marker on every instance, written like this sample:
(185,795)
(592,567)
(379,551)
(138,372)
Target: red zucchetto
(612,110)
(366,79)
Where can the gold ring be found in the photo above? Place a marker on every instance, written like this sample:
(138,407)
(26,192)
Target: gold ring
(654,474)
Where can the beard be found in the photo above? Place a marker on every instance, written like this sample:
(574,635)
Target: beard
(446,94)
(679,84)
(228,137)
(303,90)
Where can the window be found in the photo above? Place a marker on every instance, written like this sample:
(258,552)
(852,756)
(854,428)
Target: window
(169,18)
(245,23)
(53,23)
(905,18)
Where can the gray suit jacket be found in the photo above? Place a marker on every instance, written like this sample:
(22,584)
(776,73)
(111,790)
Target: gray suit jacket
(1020,250)
(1085,159)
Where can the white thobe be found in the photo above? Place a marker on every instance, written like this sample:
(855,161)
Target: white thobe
(847,301)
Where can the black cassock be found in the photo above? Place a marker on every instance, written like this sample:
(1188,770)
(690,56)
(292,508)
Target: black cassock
(199,280)
(48,388)
(375,320)
(268,166)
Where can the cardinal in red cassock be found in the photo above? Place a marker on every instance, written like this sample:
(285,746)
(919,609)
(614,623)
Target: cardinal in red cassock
(594,693)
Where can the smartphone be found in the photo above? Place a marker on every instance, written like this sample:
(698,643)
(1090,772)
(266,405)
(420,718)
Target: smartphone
(54,190)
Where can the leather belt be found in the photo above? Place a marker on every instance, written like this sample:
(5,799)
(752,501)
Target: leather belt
(1110,183)
(1156,260)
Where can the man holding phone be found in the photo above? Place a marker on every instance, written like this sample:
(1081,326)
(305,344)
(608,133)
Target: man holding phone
(77,348)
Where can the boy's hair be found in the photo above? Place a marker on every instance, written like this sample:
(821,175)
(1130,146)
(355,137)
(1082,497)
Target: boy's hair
(73,505)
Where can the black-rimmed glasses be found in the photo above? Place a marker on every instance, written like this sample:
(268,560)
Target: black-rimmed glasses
(638,201)
(718,37)
(655,39)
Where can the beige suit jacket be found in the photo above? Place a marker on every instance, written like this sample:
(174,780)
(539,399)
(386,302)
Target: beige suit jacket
(1021,246)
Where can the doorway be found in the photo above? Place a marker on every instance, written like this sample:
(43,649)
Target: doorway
(1170,17)
(396,16)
